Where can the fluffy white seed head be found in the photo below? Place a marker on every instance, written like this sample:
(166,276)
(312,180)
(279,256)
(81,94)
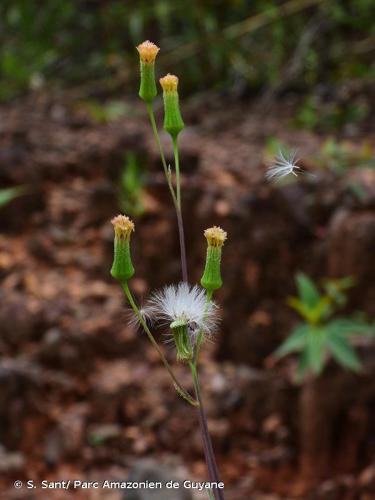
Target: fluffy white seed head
(183,303)
(283,166)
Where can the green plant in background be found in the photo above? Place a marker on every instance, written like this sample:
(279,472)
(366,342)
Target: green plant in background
(131,184)
(9,194)
(339,156)
(274,145)
(189,311)
(322,334)
(308,115)
(327,116)
(237,40)
(105,112)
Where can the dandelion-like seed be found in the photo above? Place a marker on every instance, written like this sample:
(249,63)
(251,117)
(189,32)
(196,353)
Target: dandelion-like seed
(283,166)
(184,305)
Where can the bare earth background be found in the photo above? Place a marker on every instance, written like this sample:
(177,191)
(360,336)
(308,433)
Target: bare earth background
(82,395)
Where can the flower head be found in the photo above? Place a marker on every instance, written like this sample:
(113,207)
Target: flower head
(184,305)
(215,236)
(211,279)
(148,51)
(284,165)
(122,267)
(173,122)
(123,226)
(169,83)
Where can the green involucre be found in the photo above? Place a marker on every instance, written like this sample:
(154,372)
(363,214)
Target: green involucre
(122,268)
(211,279)
(183,343)
(173,122)
(147,89)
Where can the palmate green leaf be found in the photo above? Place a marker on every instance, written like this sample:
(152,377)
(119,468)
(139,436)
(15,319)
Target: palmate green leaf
(343,352)
(295,342)
(308,292)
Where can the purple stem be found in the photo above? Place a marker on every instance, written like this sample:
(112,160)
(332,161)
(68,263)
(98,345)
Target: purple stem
(209,454)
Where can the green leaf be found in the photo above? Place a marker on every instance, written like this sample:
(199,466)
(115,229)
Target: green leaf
(315,349)
(321,311)
(307,290)
(343,352)
(295,342)
(303,365)
(132,181)
(7,195)
(298,306)
(313,356)
(347,326)
(313,315)
(335,289)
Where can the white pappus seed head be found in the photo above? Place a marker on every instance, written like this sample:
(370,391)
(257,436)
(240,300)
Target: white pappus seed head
(284,165)
(186,304)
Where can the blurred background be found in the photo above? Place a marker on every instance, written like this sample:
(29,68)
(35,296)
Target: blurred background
(82,394)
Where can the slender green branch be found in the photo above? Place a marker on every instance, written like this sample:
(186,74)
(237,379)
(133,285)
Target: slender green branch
(179,211)
(181,235)
(167,172)
(176,201)
(181,391)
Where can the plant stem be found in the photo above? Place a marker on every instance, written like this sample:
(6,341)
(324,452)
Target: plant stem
(207,444)
(180,223)
(167,173)
(176,197)
(176,200)
(177,167)
(181,234)
(183,393)
(201,332)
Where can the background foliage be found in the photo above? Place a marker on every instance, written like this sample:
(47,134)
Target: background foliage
(249,43)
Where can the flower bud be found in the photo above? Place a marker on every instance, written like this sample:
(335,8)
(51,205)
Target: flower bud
(211,279)
(122,267)
(182,340)
(147,54)
(173,123)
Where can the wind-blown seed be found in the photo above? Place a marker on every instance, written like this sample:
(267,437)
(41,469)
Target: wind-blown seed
(283,166)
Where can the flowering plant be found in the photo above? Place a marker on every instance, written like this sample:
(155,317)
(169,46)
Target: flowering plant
(188,310)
